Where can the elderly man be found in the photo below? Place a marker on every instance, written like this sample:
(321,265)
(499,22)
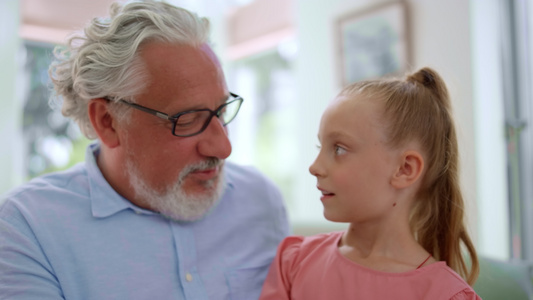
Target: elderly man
(154,212)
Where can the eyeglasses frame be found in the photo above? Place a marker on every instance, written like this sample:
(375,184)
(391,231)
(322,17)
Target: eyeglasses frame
(174,118)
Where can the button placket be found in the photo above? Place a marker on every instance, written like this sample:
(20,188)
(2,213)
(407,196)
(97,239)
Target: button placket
(185,243)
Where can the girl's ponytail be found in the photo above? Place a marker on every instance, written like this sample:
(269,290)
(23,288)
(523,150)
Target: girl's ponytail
(438,217)
(432,81)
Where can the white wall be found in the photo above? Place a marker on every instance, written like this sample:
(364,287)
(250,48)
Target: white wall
(441,38)
(10,99)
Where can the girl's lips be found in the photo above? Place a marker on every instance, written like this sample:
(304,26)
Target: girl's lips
(325,194)
(325,197)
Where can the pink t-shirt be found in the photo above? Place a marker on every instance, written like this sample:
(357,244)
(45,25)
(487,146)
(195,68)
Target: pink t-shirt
(308,268)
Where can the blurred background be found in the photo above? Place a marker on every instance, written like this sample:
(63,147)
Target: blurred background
(288,59)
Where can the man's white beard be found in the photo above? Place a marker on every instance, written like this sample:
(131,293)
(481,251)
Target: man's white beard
(173,201)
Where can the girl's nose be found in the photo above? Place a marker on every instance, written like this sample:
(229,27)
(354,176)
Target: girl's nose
(315,169)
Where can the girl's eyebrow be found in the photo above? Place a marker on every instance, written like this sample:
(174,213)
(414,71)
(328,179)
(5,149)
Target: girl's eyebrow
(338,135)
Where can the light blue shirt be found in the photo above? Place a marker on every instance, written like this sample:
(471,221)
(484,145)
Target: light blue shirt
(69,235)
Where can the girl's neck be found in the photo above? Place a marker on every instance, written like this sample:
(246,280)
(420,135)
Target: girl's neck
(381,247)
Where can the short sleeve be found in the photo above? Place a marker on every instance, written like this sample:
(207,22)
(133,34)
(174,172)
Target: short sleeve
(466,294)
(282,270)
(25,272)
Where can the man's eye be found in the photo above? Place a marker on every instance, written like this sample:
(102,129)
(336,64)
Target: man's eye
(188,120)
(222,112)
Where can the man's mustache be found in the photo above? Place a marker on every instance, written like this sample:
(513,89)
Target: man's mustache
(207,164)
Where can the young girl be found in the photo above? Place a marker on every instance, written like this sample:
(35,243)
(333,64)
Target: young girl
(388,165)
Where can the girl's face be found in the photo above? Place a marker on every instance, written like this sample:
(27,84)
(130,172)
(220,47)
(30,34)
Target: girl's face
(355,166)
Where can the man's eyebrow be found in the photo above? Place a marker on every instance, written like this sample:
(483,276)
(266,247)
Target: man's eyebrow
(226,98)
(221,102)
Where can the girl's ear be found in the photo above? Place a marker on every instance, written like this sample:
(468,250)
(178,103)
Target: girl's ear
(103,122)
(410,169)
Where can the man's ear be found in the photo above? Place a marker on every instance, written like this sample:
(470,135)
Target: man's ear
(410,169)
(103,122)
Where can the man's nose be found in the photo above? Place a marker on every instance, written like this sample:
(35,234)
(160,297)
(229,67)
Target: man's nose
(214,140)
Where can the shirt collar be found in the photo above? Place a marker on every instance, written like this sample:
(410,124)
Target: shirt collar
(105,201)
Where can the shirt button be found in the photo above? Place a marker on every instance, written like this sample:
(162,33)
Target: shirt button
(188,277)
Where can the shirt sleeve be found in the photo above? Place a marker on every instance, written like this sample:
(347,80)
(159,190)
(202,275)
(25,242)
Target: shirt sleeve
(466,294)
(25,272)
(280,276)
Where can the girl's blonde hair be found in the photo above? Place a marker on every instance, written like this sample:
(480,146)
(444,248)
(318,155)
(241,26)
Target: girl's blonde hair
(418,108)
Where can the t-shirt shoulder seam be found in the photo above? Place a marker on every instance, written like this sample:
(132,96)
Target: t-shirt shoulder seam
(464,291)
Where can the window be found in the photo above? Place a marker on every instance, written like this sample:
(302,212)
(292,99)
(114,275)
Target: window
(264,134)
(517,70)
(51,141)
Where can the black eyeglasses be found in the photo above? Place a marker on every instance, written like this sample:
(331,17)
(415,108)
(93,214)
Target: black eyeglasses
(193,122)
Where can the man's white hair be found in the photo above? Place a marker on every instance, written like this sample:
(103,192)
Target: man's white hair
(104,60)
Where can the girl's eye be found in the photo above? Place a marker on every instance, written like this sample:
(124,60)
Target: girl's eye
(339,150)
